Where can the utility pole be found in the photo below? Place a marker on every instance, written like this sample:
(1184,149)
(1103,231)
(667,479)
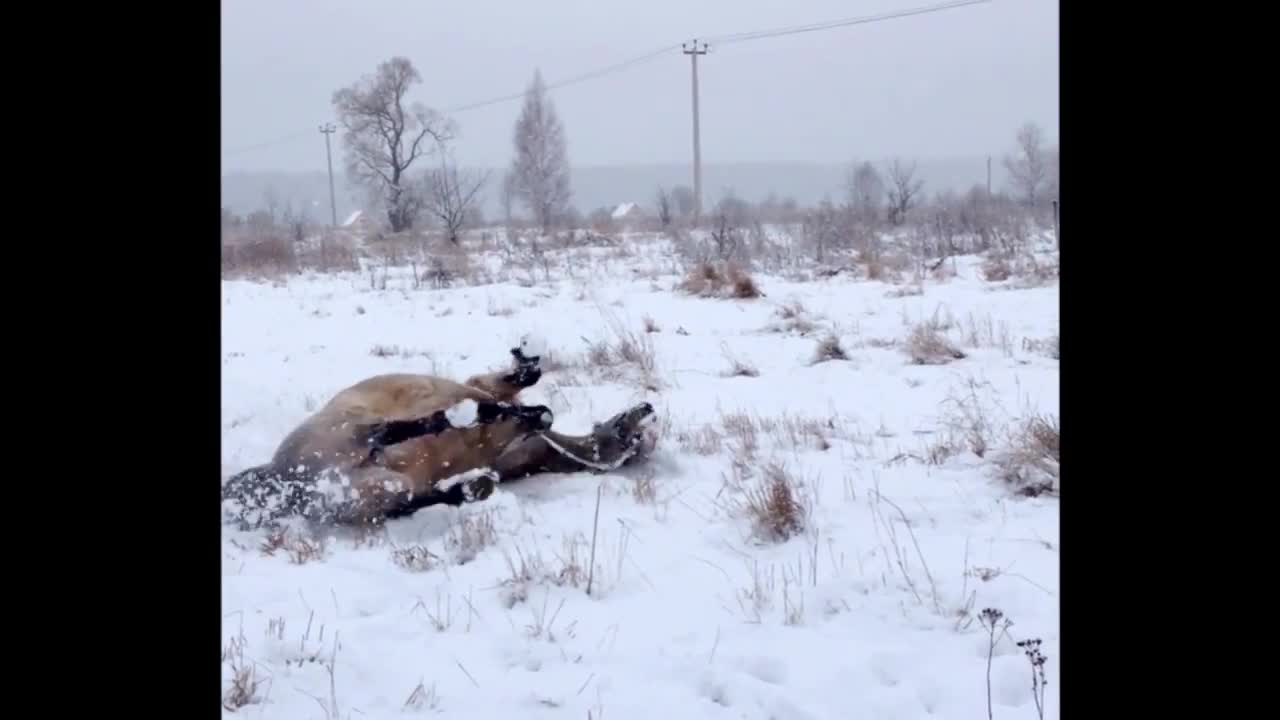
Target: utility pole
(988,177)
(328,129)
(693,51)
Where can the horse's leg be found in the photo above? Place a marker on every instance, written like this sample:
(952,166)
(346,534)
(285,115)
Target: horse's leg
(505,385)
(382,494)
(465,414)
(610,445)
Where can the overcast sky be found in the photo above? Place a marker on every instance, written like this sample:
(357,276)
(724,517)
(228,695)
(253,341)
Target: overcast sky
(952,83)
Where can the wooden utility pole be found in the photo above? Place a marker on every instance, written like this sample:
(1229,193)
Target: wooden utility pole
(988,176)
(328,129)
(693,51)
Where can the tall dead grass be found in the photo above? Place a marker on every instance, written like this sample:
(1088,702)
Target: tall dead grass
(720,280)
(1030,461)
(777,504)
(928,345)
(267,254)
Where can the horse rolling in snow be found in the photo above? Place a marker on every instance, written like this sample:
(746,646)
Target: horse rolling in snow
(393,444)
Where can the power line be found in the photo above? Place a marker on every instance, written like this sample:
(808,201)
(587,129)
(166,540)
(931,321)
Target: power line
(830,24)
(727,39)
(573,80)
(263,145)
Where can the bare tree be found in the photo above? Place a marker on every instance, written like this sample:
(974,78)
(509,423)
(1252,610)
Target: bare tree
(1029,165)
(662,201)
(541,164)
(452,195)
(383,138)
(821,227)
(904,190)
(865,192)
(1051,182)
(507,197)
(296,221)
(271,201)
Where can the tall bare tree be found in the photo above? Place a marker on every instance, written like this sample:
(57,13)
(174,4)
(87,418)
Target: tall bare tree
(271,201)
(383,137)
(904,190)
(541,164)
(507,197)
(662,202)
(1028,166)
(453,194)
(865,192)
(296,221)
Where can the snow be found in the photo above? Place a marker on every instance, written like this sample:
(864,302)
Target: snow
(533,345)
(468,476)
(463,414)
(482,611)
(622,210)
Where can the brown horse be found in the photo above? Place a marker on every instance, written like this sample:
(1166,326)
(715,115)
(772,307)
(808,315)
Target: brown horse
(392,444)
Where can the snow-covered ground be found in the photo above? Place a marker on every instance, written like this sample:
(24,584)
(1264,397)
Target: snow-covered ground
(870,610)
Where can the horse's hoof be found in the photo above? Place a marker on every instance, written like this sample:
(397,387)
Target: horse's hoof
(536,417)
(480,488)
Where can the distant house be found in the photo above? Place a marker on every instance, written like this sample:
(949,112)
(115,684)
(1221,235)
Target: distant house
(627,211)
(357,223)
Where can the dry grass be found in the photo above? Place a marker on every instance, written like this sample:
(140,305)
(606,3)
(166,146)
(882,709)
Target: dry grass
(644,489)
(272,253)
(299,548)
(966,425)
(792,318)
(968,419)
(885,267)
(529,569)
(879,343)
(1021,267)
(724,280)
(422,698)
(908,291)
(986,333)
(414,558)
(926,345)
(829,348)
(737,366)
(650,325)
(475,532)
(246,685)
(743,433)
(446,267)
(627,350)
(996,269)
(776,503)
(706,440)
(1030,463)
(1047,347)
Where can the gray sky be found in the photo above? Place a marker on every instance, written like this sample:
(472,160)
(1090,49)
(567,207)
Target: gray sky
(953,83)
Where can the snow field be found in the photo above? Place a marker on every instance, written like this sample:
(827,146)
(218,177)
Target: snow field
(870,608)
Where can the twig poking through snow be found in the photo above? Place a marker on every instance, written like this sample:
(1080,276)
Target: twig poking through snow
(595,527)
(464,672)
